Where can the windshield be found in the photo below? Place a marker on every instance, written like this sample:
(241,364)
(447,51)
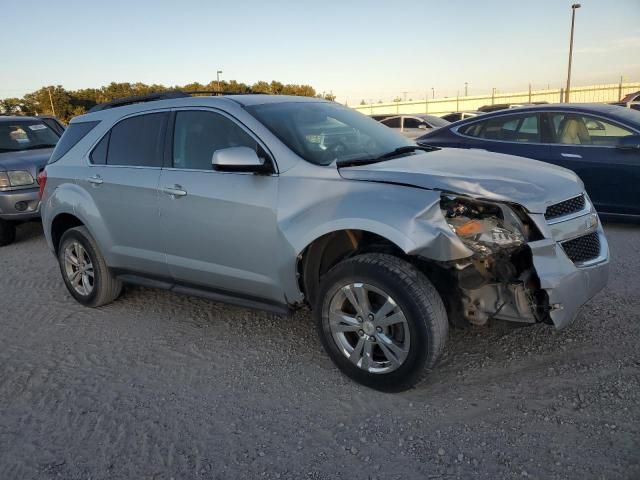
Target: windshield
(16,135)
(323,132)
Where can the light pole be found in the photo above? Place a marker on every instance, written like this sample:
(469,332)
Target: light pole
(466,88)
(218,78)
(433,92)
(574,7)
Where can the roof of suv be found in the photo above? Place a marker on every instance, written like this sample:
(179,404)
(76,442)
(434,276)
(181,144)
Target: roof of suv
(260,99)
(242,100)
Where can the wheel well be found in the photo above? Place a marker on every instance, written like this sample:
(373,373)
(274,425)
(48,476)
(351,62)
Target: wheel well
(61,224)
(326,251)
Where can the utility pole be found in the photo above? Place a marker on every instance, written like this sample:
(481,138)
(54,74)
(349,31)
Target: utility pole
(620,88)
(218,72)
(433,92)
(493,95)
(466,86)
(574,7)
(51,102)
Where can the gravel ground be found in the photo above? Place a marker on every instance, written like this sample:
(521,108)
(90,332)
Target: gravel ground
(158,385)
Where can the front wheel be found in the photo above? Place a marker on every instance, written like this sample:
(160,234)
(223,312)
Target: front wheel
(381,321)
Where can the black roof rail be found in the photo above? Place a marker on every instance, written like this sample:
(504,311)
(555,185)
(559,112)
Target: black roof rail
(121,102)
(216,93)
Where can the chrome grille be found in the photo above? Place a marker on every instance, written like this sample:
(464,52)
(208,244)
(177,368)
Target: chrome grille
(583,249)
(566,207)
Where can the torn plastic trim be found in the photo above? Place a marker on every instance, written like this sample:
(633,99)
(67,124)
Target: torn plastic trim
(567,285)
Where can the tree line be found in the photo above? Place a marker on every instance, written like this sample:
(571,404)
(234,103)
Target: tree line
(66,104)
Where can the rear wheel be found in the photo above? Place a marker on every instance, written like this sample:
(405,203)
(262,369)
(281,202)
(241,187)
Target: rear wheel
(7,232)
(84,269)
(381,321)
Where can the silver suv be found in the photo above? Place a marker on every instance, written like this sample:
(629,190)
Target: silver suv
(277,202)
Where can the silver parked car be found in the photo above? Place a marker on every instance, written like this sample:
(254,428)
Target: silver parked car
(278,202)
(26,144)
(414,125)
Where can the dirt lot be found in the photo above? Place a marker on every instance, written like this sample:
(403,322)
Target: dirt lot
(159,386)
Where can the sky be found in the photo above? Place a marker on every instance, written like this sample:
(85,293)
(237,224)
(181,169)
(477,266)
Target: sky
(371,50)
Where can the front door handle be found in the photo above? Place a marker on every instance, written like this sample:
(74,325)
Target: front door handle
(571,155)
(175,191)
(95,180)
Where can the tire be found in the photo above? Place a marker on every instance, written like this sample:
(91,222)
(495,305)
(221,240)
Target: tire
(408,317)
(7,233)
(103,287)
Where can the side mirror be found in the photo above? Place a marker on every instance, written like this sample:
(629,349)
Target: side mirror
(629,142)
(238,159)
(422,126)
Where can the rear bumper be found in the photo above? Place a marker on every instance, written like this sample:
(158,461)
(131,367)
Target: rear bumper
(28,197)
(568,286)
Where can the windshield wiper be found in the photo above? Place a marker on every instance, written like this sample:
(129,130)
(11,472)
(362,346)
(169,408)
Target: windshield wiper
(385,156)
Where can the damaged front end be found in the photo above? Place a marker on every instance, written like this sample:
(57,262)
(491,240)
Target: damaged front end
(498,280)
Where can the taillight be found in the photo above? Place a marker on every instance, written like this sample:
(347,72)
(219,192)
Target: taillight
(42,182)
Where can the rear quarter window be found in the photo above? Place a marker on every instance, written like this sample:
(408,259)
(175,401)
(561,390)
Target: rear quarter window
(70,137)
(137,141)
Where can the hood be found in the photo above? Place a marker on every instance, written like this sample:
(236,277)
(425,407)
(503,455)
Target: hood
(477,173)
(31,160)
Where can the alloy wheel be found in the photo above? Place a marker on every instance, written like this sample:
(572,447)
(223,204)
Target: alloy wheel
(369,328)
(79,268)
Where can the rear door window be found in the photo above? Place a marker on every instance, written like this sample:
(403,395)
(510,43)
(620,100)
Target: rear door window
(137,141)
(508,128)
(99,154)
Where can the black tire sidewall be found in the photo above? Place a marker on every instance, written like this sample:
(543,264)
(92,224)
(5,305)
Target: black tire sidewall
(7,232)
(384,279)
(78,235)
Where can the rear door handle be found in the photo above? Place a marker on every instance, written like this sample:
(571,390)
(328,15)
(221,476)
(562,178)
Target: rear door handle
(95,180)
(571,155)
(175,191)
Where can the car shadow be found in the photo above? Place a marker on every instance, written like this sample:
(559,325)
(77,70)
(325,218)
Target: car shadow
(29,231)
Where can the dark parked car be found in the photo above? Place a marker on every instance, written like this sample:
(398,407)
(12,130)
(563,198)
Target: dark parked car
(53,123)
(456,116)
(630,101)
(26,144)
(632,97)
(505,106)
(601,143)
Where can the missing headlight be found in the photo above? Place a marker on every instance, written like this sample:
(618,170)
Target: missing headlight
(483,227)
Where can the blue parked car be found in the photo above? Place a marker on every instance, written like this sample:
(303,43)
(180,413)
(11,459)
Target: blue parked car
(601,143)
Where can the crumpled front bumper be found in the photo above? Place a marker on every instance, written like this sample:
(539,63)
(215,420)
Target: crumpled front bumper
(568,285)
(9,199)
